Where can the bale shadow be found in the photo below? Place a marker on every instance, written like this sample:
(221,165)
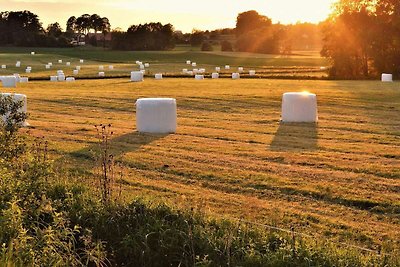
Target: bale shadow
(295,137)
(119,146)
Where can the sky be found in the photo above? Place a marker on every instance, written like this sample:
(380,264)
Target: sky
(185,15)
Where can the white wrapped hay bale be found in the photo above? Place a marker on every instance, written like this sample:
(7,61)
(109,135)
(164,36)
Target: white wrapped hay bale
(218,69)
(227,67)
(190,73)
(252,72)
(199,77)
(215,75)
(20,98)
(47,66)
(156,115)
(60,72)
(235,75)
(50,64)
(158,76)
(299,107)
(70,79)
(32,53)
(53,78)
(68,63)
(240,69)
(3,66)
(137,76)
(61,77)
(102,74)
(195,71)
(18,64)
(111,67)
(101,67)
(188,62)
(194,64)
(28,70)
(146,65)
(23,79)
(184,71)
(16,75)
(60,61)
(78,67)
(141,67)
(202,70)
(387,77)
(9,81)
(81,61)
(75,72)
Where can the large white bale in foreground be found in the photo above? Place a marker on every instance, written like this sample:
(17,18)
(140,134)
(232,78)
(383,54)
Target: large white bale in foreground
(387,77)
(9,81)
(158,76)
(24,108)
(215,75)
(299,107)
(136,76)
(156,115)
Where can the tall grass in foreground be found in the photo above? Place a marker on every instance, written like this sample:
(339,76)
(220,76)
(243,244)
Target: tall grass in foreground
(47,221)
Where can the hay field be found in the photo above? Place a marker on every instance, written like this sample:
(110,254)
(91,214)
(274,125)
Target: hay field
(339,179)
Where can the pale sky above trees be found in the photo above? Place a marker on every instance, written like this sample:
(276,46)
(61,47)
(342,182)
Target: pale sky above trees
(183,14)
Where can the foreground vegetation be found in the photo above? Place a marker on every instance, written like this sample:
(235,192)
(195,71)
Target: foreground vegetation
(51,215)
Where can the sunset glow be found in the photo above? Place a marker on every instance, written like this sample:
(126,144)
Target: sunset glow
(210,14)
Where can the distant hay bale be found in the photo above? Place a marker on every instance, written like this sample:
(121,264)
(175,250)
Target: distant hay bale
(194,64)
(215,75)
(199,77)
(70,79)
(9,81)
(218,69)
(75,72)
(102,74)
(235,75)
(23,79)
(78,67)
(60,61)
(101,67)
(81,61)
(227,67)
(387,77)
(158,76)
(53,78)
(3,66)
(68,63)
(188,62)
(146,65)
(137,76)
(240,69)
(111,67)
(252,72)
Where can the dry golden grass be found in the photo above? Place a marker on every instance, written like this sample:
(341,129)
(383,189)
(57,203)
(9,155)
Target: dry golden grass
(231,156)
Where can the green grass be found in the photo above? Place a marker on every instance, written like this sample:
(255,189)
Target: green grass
(167,62)
(339,179)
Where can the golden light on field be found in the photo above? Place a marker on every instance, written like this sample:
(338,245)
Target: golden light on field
(210,14)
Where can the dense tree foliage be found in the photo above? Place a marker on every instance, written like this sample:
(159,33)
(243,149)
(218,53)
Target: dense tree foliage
(362,38)
(149,36)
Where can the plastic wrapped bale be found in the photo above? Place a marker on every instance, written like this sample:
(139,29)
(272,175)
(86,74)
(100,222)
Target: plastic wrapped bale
(111,67)
(194,64)
(70,79)
(60,72)
(215,75)
(147,65)
(53,78)
(156,115)
(184,71)
(101,67)
(188,62)
(16,75)
(78,67)
(141,66)
(199,77)
(61,77)
(252,72)
(299,107)
(9,81)
(158,76)
(81,61)
(202,70)
(218,69)
(235,76)
(68,63)
(137,76)
(75,72)
(47,66)
(32,53)
(227,67)
(50,64)
(240,69)
(387,77)
(18,64)
(60,61)
(3,66)
(102,74)
(23,79)
(28,70)
(21,98)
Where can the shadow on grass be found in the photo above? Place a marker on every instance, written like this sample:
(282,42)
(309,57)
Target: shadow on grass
(119,145)
(295,137)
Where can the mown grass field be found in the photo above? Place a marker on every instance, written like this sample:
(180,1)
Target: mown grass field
(166,62)
(338,179)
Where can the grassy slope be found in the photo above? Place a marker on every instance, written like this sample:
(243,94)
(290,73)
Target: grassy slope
(165,62)
(340,179)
